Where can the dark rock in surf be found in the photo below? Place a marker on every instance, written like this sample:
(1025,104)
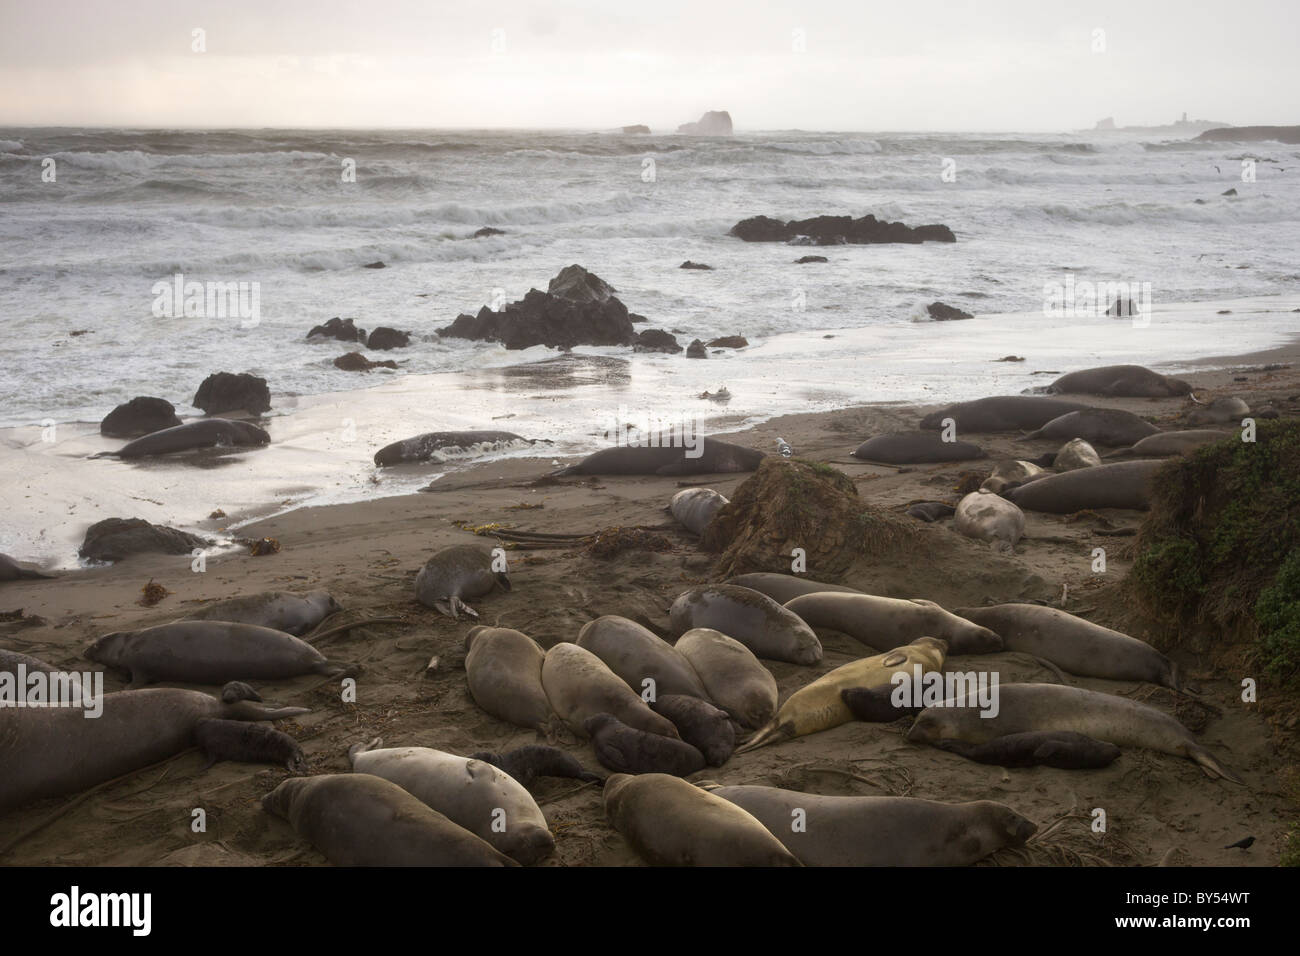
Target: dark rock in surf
(728,342)
(696,350)
(656,340)
(227,392)
(695,265)
(384,338)
(374,265)
(341,329)
(140,416)
(803,260)
(837,230)
(488,231)
(356,362)
(116,538)
(946,313)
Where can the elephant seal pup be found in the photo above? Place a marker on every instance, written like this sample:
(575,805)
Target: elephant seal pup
(818,706)
(51,751)
(484,800)
(294,614)
(703,726)
(625,749)
(504,670)
(528,763)
(1075,454)
(637,655)
(916,448)
(669,822)
(1168,444)
(1002,413)
(1051,748)
(1122,484)
(1033,707)
(754,619)
(931,511)
(989,517)
(708,457)
(10,571)
(694,508)
(580,686)
(247,743)
(1218,412)
(882,831)
(1097,426)
(208,652)
(205,433)
(1009,472)
(1120,381)
(440,445)
(785,587)
(1073,644)
(884,623)
(454,574)
(732,675)
(357,819)
(875,705)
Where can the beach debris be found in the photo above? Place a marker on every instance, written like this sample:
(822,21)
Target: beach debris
(152,593)
(611,542)
(217,514)
(262,546)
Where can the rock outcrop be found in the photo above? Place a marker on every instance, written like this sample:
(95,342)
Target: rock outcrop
(1253,134)
(116,538)
(946,313)
(712,123)
(341,329)
(140,416)
(384,338)
(356,362)
(836,231)
(656,340)
(227,392)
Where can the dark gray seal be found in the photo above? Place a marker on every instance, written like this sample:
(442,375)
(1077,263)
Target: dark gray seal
(874,705)
(1097,426)
(1002,413)
(528,763)
(1120,381)
(294,614)
(785,587)
(931,511)
(1168,444)
(205,433)
(1124,484)
(454,574)
(715,457)
(703,726)
(10,571)
(916,448)
(247,743)
(433,444)
(1062,749)
(625,749)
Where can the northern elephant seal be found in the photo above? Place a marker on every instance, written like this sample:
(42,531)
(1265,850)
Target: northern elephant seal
(294,614)
(703,726)
(885,623)
(989,517)
(638,656)
(881,831)
(625,749)
(818,706)
(580,686)
(10,571)
(785,587)
(1008,472)
(876,704)
(706,456)
(504,670)
(1168,444)
(916,448)
(1002,413)
(208,652)
(47,752)
(1124,484)
(1062,749)
(754,619)
(455,574)
(735,679)
(10,660)
(486,801)
(694,508)
(440,445)
(1033,707)
(1097,426)
(1075,454)
(931,511)
(247,743)
(358,819)
(1073,644)
(1218,412)
(1120,381)
(528,763)
(205,433)
(669,822)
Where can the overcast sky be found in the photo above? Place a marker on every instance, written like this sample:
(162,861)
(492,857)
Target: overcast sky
(812,64)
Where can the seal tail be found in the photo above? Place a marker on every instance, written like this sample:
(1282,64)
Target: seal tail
(1211,766)
(766,735)
(248,710)
(374,743)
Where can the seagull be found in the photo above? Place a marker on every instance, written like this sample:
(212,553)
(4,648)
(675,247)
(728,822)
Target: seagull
(781,446)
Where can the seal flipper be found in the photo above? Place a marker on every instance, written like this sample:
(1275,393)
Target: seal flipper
(373,744)
(454,607)
(248,710)
(1212,768)
(767,735)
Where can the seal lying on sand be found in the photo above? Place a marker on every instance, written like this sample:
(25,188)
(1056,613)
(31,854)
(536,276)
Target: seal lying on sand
(637,655)
(1009,472)
(454,574)
(504,670)
(669,822)
(818,706)
(1120,381)
(714,457)
(528,763)
(436,444)
(10,571)
(1168,444)
(785,587)
(703,726)
(247,743)
(1218,412)
(9,661)
(881,831)
(988,517)
(732,675)
(625,749)
(1050,748)
(294,614)
(1002,413)
(1075,454)
(357,819)
(1097,426)
(208,652)
(580,686)
(1032,707)
(884,623)
(931,511)
(916,448)
(1124,484)
(694,508)
(47,752)
(204,433)
(754,619)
